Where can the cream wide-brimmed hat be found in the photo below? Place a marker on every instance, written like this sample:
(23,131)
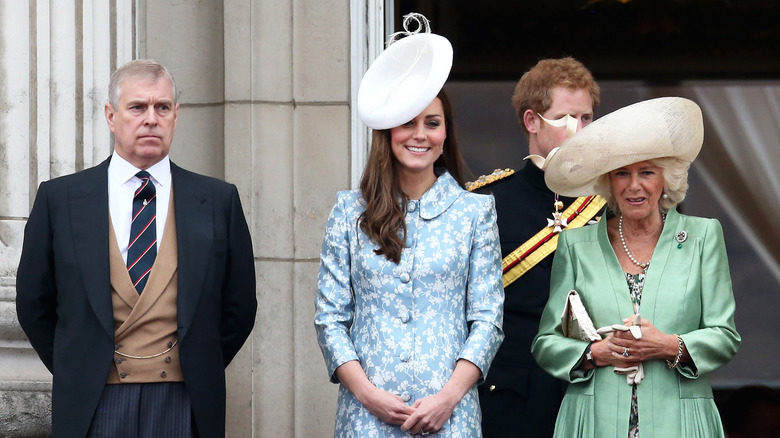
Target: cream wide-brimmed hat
(655,128)
(405,78)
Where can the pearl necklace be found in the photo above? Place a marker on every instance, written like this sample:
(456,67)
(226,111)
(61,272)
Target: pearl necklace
(642,265)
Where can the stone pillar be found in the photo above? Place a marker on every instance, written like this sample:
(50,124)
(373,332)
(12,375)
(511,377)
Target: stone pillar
(265,104)
(287,144)
(187,38)
(55,58)
(321,167)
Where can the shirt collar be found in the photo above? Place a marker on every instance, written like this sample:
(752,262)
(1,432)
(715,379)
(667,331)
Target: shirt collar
(440,196)
(121,171)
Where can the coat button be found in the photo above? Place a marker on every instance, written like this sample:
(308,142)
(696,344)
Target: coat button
(163,374)
(492,388)
(405,396)
(123,375)
(168,359)
(412,206)
(404,277)
(405,356)
(405,316)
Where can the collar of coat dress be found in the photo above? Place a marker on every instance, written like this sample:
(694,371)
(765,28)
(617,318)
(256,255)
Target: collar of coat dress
(440,196)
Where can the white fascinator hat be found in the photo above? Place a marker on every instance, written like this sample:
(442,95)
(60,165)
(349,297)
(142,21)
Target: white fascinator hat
(405,78)
(655,128)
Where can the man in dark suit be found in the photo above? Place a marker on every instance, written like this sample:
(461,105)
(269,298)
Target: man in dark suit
(553,100)
(136,301)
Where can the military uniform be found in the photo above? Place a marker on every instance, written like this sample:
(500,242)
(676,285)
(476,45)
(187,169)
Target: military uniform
(518,398)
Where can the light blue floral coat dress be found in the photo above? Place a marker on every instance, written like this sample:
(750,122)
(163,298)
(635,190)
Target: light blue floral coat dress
(408,324)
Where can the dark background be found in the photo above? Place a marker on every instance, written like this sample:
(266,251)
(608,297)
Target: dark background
(649,40)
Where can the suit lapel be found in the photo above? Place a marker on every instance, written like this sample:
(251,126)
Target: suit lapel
(658,264)
(195,230)
(622,298)
(655,272)
(89,225)
(120,279)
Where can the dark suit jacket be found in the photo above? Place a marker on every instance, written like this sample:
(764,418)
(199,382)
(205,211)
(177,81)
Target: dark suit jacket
(524,399)
(64,292)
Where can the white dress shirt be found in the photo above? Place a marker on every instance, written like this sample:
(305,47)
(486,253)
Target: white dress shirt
(122,184)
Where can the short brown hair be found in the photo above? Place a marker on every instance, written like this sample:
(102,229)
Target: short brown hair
(533,89)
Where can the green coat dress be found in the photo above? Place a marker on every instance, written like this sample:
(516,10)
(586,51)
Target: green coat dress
(687,291)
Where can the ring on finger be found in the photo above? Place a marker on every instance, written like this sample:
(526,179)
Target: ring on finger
(626,352)
(424,432)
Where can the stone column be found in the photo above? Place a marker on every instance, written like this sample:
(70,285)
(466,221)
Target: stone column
(25,383)
(265,94)
(287,144)
(187,38)
(55,58)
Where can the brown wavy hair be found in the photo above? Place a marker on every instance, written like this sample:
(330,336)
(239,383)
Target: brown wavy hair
(383,219)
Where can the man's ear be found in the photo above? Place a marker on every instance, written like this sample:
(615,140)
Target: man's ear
(531,121)
(175,116)
(109,111)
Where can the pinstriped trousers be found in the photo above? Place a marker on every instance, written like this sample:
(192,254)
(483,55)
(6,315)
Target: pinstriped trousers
(143,410)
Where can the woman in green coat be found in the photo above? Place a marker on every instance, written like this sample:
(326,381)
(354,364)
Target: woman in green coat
(643,259)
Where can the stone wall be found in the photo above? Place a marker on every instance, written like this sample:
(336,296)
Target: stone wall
(265,104)
(55,59)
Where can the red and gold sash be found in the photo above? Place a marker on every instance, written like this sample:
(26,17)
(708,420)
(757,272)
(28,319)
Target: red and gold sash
(527,255)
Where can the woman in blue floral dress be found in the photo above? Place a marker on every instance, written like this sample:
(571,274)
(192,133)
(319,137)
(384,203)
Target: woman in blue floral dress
(409,300)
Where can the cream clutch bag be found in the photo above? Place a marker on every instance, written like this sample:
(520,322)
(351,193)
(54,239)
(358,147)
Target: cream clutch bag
(576,323)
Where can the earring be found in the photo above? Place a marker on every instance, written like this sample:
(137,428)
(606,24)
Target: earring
(665,196)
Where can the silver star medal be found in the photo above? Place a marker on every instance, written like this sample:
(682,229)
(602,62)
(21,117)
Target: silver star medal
(557,222)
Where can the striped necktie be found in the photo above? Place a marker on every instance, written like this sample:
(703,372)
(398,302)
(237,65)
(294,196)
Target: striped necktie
(143,232)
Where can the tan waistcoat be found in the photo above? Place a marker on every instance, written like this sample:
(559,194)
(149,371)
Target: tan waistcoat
(146,326)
